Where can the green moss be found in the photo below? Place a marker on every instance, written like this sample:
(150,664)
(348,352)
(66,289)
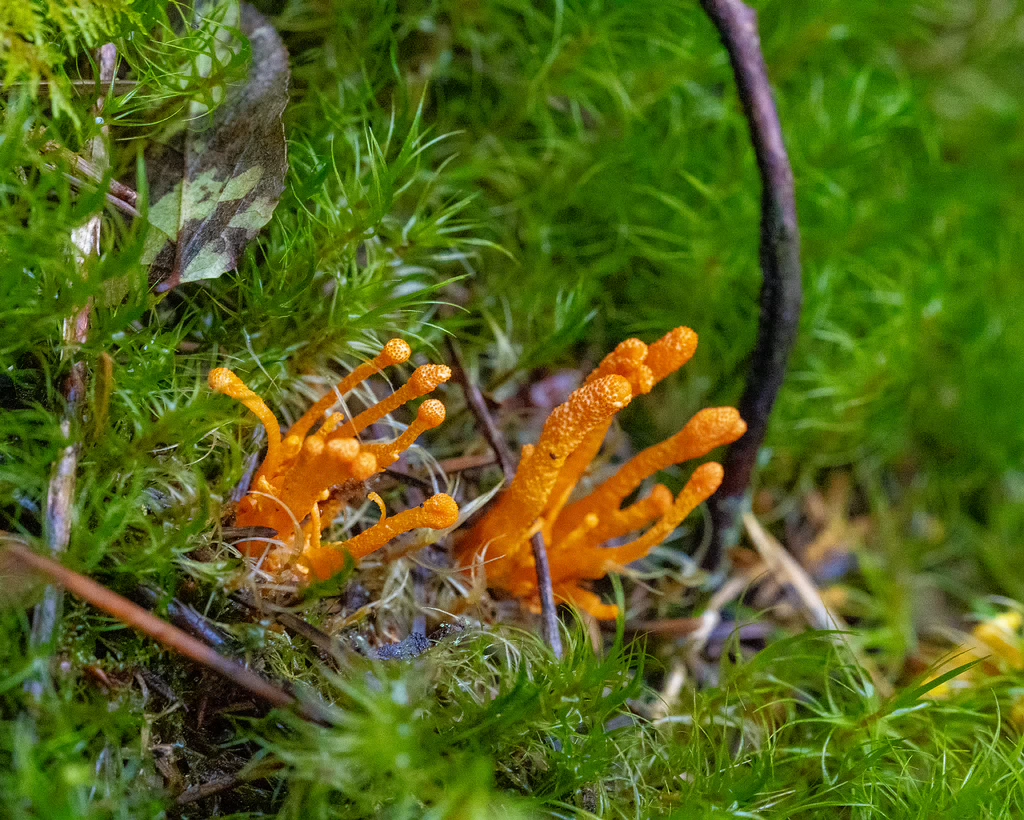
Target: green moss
(543,180)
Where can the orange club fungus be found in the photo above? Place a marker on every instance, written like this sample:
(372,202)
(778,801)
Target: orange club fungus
(308,475)
(537,499)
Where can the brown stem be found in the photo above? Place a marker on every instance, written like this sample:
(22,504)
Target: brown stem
(183,616)
(89,86)
(461,463)
(210,788)
(117,189)
(91,170)
(168,635)
(217,785)
(118,194)
(402,477)
(121,204)
(781,292)
(478,405)
(320,639)
(61,491)
(548,607)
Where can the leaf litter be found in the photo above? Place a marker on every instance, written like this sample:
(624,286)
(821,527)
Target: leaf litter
(216,183)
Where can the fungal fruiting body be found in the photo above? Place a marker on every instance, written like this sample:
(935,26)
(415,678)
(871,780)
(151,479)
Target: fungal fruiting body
(308,475)
(537,499)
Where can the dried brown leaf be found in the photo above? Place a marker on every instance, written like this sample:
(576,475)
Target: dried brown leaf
(216,184)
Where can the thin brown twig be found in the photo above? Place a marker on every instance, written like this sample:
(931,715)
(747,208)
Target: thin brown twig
(787,569)
(118,194)
(461,463)
(293,623)
(87,86)
(96,174)
(61,491)
(166,634)
(121,204)
(781,291)
(320,639)
(210,788)
(183,616)
(402,477)
(548,607)
(92,171)
(227,782)
(478,406)
(733,588)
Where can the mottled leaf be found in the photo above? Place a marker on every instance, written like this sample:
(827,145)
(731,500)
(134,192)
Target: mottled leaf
(214,185)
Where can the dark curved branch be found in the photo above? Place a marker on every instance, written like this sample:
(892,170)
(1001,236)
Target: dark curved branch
(781,293)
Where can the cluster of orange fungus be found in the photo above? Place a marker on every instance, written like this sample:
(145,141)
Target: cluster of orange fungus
(307,476)
(537,499)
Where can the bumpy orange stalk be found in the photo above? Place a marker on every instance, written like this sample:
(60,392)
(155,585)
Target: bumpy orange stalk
(511,520)
(707,430)
(430,415)
(300,487)
(395,352)
(643,367)
(575,534)
(437,513)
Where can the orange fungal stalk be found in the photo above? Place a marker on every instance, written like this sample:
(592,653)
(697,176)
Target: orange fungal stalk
(576,534)
(308,475)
